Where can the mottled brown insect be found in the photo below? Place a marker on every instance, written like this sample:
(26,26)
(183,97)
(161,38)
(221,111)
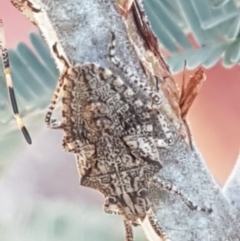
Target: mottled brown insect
(114,127)
(114,131)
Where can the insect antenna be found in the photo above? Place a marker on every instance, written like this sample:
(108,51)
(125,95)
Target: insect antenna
(7,72)
(52,123)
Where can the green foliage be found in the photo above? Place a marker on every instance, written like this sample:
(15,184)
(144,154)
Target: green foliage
(213,24)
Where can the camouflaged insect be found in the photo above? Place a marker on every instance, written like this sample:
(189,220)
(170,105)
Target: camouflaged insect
(114,130)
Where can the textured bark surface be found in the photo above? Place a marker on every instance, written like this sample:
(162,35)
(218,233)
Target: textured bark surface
(84,28)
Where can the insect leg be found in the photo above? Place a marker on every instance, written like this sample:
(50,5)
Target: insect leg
(157,227)
(128,230)
(113,58)
(53,123)
(7,72)
(167,186)
(134,79)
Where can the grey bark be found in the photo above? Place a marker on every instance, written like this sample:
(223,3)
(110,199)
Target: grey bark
(83,28)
